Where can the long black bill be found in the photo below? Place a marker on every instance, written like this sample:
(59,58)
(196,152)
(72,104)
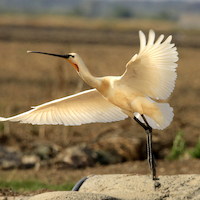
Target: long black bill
(50,54)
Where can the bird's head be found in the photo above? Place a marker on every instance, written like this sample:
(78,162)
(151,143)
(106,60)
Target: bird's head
(73,58)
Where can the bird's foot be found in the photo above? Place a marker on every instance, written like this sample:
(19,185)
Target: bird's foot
(157,184)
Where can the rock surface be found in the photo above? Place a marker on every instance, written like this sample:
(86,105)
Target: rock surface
(72,195)
(129,187)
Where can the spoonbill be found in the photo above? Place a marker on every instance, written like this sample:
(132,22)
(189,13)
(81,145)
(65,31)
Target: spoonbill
(149,76)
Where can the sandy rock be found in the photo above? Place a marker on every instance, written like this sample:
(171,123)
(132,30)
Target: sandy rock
(76,156)
(15,198)
(45,150)
(9,157)
(115,149)
(30,161)
(128,187)
(71,195)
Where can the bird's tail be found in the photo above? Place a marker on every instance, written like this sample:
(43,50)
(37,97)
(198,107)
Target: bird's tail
(164,121)
(167,113)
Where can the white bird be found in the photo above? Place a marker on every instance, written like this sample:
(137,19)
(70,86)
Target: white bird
(149,75)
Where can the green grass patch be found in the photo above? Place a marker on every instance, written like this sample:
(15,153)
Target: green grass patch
(22,186)
(178,147)
(195,153)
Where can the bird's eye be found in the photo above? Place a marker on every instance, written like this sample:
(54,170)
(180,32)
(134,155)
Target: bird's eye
(72,56)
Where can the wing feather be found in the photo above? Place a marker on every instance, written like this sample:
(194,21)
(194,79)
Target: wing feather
(85,107)
(142,41)
(153,70)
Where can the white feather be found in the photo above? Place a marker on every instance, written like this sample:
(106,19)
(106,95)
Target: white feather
(85,107)
(153,70)
(167,113)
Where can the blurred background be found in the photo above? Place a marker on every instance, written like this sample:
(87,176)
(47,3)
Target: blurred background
(105,34)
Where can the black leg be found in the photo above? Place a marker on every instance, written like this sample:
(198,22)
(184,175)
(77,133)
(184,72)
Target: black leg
(150,154)
(150,157)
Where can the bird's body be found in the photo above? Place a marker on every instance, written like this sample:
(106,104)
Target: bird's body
(149,75)
(130,100)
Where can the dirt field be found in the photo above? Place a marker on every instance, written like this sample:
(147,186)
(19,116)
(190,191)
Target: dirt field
(29,79)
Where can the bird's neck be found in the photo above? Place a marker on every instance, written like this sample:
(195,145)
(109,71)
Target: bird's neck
(89,78)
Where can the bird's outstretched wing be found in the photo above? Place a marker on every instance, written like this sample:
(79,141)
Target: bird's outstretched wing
(153,70)
(85,107)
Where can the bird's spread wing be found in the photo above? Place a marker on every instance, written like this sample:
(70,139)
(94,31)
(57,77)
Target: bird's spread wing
(85,107)
(153,70)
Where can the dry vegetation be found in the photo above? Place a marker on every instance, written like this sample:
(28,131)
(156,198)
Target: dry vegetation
(30,79)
